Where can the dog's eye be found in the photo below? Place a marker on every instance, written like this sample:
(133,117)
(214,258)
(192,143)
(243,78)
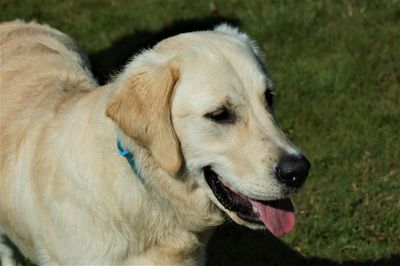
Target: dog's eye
(269,97)
(222,115)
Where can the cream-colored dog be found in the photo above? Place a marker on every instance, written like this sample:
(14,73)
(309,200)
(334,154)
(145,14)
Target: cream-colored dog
(138,172)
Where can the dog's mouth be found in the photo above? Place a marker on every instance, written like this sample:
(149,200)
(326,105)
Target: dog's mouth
(276,215)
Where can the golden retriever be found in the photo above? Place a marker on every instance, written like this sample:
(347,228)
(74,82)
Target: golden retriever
(138,171)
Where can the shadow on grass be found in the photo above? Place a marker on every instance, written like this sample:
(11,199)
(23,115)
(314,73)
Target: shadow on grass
(231,245)
(237,246)
(112,59)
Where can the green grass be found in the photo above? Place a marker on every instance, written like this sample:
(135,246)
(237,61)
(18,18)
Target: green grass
(336,65)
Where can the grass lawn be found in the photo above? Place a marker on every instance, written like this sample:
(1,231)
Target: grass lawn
(336,65)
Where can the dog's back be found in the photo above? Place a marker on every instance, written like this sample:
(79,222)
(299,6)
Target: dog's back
(33,56)
(41,69)
(38,65)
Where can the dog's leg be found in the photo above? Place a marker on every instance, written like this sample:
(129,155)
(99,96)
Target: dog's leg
(9,254)
(6,254)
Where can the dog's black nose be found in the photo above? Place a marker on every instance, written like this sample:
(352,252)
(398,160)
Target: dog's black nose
(292,170)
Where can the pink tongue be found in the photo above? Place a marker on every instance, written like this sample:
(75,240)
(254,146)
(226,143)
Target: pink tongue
(278,216)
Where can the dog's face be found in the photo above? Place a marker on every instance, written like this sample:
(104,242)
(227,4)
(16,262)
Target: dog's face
(221,116)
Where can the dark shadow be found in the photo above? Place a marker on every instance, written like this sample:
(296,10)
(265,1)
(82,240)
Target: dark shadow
(241,246)
(111,60)
(238,246)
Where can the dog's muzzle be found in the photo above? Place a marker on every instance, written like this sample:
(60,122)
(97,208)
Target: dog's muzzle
(276,215)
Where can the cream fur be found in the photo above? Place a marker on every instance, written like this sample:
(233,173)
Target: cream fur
(68,197)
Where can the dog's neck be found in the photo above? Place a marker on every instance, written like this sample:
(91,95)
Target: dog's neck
(169,203)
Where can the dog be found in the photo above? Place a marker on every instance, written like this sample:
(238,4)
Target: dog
(138,171)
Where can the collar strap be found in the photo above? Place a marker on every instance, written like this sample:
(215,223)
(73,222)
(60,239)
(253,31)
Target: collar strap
(130,157)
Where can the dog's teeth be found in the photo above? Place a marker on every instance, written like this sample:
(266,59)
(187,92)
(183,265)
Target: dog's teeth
(255,209)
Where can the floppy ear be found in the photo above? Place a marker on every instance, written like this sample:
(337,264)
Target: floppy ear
(142,109)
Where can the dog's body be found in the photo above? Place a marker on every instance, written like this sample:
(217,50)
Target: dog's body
(66,195)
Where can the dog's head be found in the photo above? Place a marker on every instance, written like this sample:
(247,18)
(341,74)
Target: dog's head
(205,99)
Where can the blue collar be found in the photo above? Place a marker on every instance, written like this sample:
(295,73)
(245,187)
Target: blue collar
(130,158)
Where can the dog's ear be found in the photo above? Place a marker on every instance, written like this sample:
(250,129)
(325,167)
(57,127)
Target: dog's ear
(141,107)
